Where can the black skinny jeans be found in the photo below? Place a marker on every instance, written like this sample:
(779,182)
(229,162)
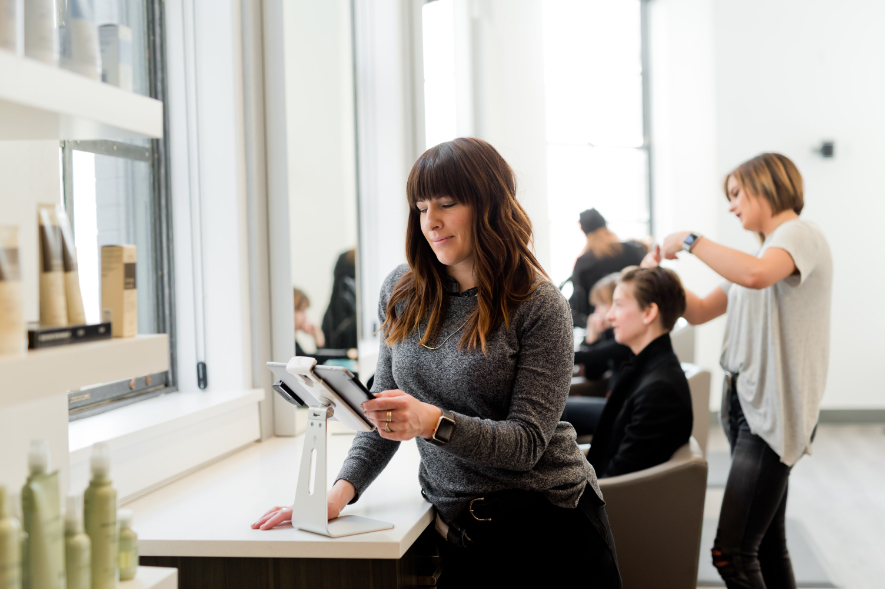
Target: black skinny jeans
(750,551)
(541,546)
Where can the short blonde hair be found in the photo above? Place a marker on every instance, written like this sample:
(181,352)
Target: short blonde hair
(771,176)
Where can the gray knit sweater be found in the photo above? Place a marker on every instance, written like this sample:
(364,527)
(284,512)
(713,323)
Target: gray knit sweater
(507,406)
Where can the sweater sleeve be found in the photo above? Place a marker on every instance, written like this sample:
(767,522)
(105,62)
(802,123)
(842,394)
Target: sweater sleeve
(540,388)
(659,424)
(370,453)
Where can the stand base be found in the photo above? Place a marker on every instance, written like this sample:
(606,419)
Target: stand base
(348,525)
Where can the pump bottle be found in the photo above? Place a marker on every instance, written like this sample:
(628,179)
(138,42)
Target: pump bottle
(100,500)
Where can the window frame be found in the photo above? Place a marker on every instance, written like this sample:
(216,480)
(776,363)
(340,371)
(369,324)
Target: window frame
(108,396)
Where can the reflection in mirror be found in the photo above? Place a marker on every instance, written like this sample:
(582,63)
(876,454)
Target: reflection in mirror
(322,180)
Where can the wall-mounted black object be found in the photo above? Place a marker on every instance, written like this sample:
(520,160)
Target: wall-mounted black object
(827,149)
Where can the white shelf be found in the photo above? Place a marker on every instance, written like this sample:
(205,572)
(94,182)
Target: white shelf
(38,101)
(65,368)
(152,578)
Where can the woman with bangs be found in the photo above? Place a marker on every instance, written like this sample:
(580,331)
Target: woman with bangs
(475,366)
(775,354)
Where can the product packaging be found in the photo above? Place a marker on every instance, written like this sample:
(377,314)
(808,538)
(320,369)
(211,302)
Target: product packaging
(53,304)
(41,30)
(10,17)
(10,544)
(118,293)
(128,546)
(100,502)
(40,504)
(12,320)
(78,553)
(73,297)
(116,55)
(78,38)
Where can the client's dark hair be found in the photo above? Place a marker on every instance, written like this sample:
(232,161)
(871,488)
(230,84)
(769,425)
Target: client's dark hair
(660,286)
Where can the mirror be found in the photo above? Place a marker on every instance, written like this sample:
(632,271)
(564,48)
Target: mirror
(322,180)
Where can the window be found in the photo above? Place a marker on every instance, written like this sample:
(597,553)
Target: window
(438,50)
(597,139)
(115,192)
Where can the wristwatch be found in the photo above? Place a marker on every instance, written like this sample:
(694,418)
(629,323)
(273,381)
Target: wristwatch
(445,427)
(689,241)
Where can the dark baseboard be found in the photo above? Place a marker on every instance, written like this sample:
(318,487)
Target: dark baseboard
(845,416)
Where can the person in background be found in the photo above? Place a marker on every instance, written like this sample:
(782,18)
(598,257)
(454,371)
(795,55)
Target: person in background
(599,353)
(474,365)
(603,254)
(303,324)
(339,321)
(648,415)
(775,354)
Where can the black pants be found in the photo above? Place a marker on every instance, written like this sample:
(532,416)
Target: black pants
(544,546)
(583,413)
(750,551)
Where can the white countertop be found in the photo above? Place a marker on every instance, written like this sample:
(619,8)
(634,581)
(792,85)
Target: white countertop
(209,513)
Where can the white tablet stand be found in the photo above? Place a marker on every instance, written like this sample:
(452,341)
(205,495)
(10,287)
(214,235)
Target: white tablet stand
(310,512)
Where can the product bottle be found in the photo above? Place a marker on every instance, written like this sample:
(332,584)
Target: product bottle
(41,30)
(128,546)
(16,503)
(78,548)
(12,316)
(10,15)
(10,545)
(100,501)
(79,39)
(40,505)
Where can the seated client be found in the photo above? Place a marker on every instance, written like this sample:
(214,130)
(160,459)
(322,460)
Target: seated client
(648,414)
(600,352)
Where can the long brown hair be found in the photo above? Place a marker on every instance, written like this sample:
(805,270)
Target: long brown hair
(603,243)
(471,172)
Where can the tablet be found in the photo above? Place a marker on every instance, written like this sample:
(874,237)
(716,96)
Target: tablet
(346,390)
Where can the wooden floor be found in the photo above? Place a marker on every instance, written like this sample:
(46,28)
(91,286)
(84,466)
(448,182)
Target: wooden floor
(838,493)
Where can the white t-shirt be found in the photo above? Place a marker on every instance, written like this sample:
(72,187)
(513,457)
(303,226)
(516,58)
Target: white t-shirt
(778,340)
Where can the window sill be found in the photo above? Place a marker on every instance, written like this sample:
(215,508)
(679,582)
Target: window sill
(159,440)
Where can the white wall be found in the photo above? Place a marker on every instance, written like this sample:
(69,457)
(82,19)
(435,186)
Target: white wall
(782,77)
(510,103)
(321,143)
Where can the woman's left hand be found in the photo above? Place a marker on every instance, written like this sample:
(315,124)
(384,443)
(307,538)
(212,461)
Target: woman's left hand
(400,416)
(673,244)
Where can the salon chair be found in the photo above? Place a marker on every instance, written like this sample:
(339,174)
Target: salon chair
(656,516)
(699,386)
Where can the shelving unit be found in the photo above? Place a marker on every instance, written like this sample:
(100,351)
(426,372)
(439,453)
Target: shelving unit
(38,101)
(152,578)
(68,368)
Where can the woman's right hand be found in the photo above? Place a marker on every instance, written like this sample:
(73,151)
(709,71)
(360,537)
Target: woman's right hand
(341,493)
(652,259)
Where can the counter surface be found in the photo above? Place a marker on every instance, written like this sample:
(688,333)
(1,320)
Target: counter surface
(209,513)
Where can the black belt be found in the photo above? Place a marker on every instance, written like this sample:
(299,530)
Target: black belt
(483,511)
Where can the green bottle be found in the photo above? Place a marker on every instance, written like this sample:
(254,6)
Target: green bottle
(42,522)
(78,547)
(10,545)
(16,502)
(100,501)
(128,546)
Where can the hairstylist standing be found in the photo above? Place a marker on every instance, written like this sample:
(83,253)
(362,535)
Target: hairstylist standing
(775,354)
(475,366)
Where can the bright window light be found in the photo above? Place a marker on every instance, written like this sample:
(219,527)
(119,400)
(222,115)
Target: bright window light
(596,148)
(440,106)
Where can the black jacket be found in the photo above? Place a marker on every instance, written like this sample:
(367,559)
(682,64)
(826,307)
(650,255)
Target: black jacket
(339,322)
(648,415)
(589,270)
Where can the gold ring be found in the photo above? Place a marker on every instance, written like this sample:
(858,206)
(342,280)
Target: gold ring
(387,427)
(389,417)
